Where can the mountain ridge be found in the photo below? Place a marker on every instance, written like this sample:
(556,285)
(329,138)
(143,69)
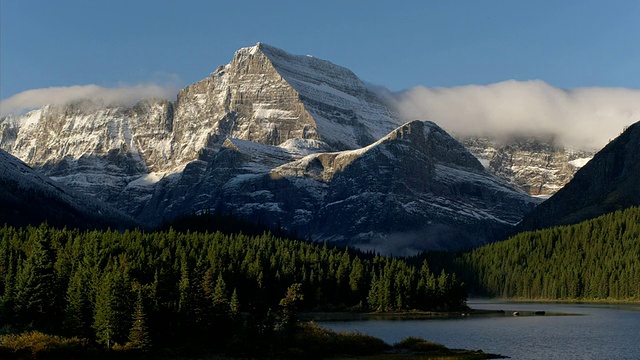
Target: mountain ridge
(408,184)
(281,139)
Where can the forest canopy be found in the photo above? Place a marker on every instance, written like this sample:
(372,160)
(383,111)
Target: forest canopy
(596,259)
(168,286)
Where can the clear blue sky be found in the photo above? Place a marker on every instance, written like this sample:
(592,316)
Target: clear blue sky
(398,44)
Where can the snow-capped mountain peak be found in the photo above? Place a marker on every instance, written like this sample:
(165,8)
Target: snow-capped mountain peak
(278,138)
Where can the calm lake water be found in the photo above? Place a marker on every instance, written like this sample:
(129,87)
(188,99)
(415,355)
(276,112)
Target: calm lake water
(600,332)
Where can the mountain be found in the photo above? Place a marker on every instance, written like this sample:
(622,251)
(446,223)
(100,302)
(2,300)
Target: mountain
(94,148)
(30,198)
(540,167)
(265,95)
(607,183)
(282,139)
(416,188)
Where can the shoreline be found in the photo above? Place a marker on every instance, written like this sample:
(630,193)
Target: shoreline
(399,316)
(559,301)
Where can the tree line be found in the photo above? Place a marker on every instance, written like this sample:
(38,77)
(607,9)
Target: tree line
(596,259)
(170,287)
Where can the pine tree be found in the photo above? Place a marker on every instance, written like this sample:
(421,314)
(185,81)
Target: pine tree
(234,312)
(356,276)
(35,288)
(373,298)
(139,335)
(104,319)
(7,299)
(112,317)
(234,305)
(289,306)
(78,313)
(185,304)
(220,299)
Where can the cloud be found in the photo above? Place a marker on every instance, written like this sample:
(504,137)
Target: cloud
(122,95)
(585,118)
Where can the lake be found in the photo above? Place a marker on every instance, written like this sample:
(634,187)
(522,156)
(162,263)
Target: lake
(598,332)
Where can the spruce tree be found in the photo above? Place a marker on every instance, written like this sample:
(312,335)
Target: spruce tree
(78,312)
(7,299)
(139,335)
(234,305)
(289,306)
(220,299)
(112,316)
(104,315)
(35,288)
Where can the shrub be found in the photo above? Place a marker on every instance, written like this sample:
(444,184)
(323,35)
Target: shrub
(360,344)
(36,345)
(419,345)
(317,342)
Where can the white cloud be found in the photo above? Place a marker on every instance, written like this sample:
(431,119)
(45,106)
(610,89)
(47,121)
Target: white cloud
(122,95)
(582,117)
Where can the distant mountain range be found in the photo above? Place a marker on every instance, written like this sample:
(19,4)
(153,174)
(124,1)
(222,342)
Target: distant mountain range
(539,167)
(297,142)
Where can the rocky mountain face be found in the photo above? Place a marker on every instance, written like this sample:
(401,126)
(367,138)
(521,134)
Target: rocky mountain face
(607,183)
(28,198)
(95,149)
(278,138)
(538,167)
(416,188)
(264,95)
(269,96)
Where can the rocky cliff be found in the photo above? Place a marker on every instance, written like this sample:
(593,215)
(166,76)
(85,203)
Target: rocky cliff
(90,147)
(269,96)
(538,167)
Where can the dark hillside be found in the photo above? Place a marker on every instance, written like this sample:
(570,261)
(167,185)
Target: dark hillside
(596,259)
(609,182)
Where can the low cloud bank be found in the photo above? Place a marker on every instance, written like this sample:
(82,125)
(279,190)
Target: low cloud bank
(584,118)
(123,95)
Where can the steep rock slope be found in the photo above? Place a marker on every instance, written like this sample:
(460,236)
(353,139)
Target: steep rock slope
(264,95)
(536,166)
(609,182)
(29,198)
(91,147)
(269,96)
(416,188)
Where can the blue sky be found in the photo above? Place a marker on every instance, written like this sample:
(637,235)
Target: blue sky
(398,44)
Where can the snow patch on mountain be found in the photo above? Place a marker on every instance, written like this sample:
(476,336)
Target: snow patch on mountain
(579,163)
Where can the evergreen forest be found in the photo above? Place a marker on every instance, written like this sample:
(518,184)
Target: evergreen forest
(598,259)
(169,287)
